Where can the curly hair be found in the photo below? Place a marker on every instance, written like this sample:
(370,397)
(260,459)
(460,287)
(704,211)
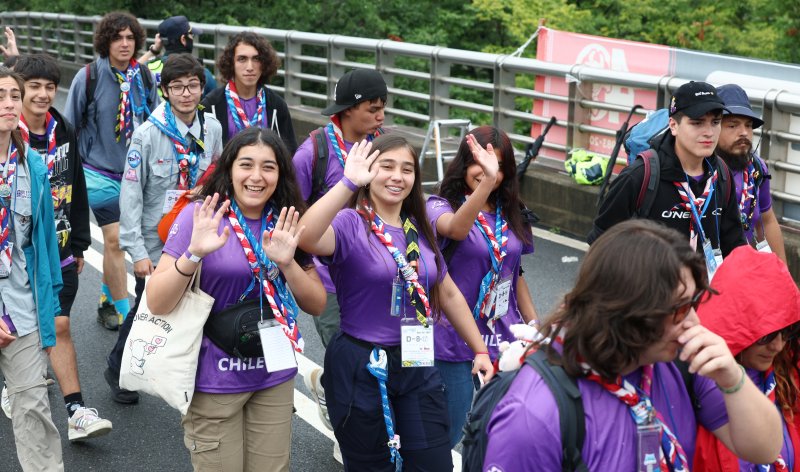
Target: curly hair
(787,376)
(624,292)
(453,186)
(110,27)
(266,55)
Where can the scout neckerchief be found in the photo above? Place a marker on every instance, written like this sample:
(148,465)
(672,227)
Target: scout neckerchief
(127,106)
(497,243)
(280,299)
(187,159)
(673,457)
(404,263)
(696,205)
(50,133)
(378,366)
(334,131)
(749,193)
(768,387)
(6,189)
(237,110)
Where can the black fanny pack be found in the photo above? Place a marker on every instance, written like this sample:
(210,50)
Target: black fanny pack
(235,329)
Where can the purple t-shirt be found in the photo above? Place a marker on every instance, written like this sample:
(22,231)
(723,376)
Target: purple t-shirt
(787,449)
(250,105)
(363,270)
(470,262)
(524,432)
(303,161)
(764,199)
(225,275)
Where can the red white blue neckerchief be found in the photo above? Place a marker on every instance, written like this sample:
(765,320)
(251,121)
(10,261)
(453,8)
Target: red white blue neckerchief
(334,131)
(274,289)
(50,133)
(696,205)
(749,193)
(672,457)
(7,182)
(416,291)
(237,110)
(768,387)
(127,106)
(497,243)
(188,161)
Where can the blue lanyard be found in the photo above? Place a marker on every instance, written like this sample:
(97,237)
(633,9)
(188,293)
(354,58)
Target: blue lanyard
(698,218)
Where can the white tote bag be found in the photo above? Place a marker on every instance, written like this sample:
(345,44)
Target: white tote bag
(160,356)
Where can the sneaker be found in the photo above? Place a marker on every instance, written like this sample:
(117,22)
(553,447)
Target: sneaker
(120,395)
(85,423)
(5,402)
(313,383)
(337,453)
(107,316)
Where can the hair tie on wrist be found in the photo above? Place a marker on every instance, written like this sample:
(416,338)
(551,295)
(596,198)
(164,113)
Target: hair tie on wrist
(736,387)
(482,352)
(180,271)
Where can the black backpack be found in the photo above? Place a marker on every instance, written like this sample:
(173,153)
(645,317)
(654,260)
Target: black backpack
(91,86)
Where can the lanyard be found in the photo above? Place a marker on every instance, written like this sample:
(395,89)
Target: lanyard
(50,133)
(697,205)
(274,289)
(237,110)
(334,131)
(497,243)
(187,158)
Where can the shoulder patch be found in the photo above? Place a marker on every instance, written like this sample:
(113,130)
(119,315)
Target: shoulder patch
(134,159)
(131,175)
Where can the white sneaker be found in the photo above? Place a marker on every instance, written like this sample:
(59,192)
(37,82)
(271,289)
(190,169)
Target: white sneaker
(313,383)
(85,424)
(337,453)
(5,402)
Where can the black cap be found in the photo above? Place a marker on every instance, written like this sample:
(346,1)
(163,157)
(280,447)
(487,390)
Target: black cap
(737,103)
(176,26)
(355,87)
(695,99)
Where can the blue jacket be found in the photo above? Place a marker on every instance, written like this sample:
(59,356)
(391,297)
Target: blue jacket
(45,271)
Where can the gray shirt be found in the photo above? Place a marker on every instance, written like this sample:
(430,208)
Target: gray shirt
(150,171)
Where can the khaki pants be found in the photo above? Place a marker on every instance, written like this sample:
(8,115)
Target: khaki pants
(238,432)
(24,365)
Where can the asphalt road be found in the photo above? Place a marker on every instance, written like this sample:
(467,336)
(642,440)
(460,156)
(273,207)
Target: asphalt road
(148,436)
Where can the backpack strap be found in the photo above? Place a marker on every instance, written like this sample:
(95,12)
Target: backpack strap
(652,176)
(688,382)
(319,165)
(725,175)
(91,85)
(571,414)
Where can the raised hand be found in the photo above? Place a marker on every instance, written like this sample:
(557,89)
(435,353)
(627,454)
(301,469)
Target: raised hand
(280,246)
(358,167)
(205,232)
(486,158)
(10,49)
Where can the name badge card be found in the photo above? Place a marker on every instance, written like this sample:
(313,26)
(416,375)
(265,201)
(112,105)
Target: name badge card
(713,259)
(278,352)
(648,450)
(170,199)
(416,343)
(763,246)
(502,293)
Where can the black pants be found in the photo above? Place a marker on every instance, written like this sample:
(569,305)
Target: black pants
(115,358)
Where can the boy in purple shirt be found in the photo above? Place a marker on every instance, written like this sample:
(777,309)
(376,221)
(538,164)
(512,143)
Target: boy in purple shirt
(617,332)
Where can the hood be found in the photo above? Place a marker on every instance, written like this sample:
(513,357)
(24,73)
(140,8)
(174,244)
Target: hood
(757,296)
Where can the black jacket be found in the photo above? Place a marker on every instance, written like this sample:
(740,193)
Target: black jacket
(215,103)
(620,202)
(68,186)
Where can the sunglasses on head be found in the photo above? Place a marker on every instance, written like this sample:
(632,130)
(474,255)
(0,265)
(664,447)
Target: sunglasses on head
(681,311)
(788,333)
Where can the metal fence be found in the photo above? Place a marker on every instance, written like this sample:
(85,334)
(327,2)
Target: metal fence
(428,82)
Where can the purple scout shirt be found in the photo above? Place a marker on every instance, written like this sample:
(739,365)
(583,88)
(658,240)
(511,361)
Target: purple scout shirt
(249,105)
(363,270)
(303,162)
(524,432)
(470,262)
(225,275)
(787,449)
(764,199)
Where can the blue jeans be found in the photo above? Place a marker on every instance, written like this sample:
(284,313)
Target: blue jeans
(459,389)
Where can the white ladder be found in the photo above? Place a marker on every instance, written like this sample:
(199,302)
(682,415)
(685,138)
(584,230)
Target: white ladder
(435,135)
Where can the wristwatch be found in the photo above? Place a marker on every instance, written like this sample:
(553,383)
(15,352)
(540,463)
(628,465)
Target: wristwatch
(192,257)
(153,51)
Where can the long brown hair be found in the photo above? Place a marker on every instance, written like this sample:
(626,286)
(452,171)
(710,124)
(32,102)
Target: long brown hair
(16,136)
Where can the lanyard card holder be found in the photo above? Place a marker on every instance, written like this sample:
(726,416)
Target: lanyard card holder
(398,299)
(713,258)
(416,343)
(763,246)
(278,352)
(648,447)
(501,295)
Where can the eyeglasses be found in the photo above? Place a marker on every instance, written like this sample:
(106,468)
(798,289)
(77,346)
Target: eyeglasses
(180,89)
(681,311)
(788,333)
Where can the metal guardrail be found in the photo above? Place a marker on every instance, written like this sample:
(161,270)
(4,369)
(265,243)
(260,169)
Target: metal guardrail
(432,83)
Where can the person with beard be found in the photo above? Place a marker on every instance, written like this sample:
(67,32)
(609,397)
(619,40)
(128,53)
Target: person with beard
(175,35)
(750,172)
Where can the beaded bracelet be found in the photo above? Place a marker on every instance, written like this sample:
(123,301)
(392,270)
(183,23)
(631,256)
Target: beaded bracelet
(736,387)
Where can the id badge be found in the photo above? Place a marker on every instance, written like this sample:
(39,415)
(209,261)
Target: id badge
(763,246)
(278,352)
(5,270)
(170,199)
(416,343)
(648,447)
(502,294)
(711,259)
(398,308)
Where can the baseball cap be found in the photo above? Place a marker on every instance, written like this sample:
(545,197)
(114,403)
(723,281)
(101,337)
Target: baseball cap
(695,99)
(737,103)
(176,26)
(355,87)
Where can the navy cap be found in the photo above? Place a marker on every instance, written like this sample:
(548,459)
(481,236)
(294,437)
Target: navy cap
(176,26)
(355,87)
(737,103)
(695,99)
